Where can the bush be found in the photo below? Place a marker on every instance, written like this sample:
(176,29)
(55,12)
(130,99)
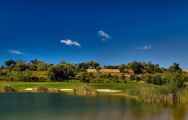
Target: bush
(8,89)
(20,77)
(3,72)
(85,77)
(6,78)
(154,79)
(175,81)
(27,77)
(135,77)
(34,79)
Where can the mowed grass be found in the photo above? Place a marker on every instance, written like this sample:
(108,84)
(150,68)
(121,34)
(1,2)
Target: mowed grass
(21,86)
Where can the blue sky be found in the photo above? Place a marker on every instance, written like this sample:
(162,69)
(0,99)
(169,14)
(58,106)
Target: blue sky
(110,32)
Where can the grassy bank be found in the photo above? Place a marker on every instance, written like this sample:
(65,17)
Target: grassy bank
(21,86)
(140,91)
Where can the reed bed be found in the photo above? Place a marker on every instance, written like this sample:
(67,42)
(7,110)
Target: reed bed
(150,94)
(85,90)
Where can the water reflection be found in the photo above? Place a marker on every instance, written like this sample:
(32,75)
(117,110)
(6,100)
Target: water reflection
(63,107)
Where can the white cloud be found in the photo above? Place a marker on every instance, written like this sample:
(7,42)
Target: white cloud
(17,52)
(146,47)
(70,43)
(104,36)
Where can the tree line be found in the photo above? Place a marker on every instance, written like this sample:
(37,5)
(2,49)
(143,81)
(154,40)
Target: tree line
(37,70)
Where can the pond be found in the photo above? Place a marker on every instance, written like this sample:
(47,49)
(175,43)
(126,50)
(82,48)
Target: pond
(57,106)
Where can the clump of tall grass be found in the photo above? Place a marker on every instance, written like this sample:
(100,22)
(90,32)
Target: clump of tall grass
(41,89)
(150,94)
(8,89)
(171,91)
(85,90)
(182,95)
(159,95)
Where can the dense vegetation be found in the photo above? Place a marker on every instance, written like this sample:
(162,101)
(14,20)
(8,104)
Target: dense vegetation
(39,71)
(167,81)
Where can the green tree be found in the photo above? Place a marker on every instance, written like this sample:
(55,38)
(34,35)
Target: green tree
(157,68)
(137,67)
(32,67)
(61,72)
(20,66)
(175,68)
(10,63)
(85,77)
(38,65)
(93,64)
(83,66)
(111,67)
(149,67)
(122,68)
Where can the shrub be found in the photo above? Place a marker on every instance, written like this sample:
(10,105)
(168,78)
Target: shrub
(135,77)
(3,72)
(154,79)
(20,77)
(85,77)
(28,77)
(6,78)
(175,81)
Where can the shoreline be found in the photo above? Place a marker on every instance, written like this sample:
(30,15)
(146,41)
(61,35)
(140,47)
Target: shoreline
(138,91)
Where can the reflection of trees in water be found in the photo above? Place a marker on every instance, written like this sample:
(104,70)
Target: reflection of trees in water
(58,107)
(121,109)
(145,112)
(112,108)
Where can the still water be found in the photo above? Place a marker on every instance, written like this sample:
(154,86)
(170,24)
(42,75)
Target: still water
(64,107)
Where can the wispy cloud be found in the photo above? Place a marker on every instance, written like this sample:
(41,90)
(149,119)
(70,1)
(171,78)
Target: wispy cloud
(16,52)
(70,43)
(104,36)
(145,47)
